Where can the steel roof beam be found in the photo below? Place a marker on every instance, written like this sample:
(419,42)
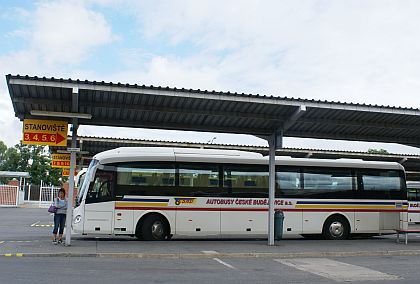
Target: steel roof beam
(179,126)
(347,123)
(84,104)
(209,95)
(294,117)
(403,160)
(344,136)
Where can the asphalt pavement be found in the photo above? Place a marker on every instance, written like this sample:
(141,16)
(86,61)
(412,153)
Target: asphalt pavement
(396,269)
(26,232)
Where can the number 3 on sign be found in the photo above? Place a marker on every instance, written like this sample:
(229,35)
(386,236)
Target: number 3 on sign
(26,137)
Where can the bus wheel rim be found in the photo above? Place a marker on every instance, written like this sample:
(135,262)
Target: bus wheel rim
(336,229)
(157,229)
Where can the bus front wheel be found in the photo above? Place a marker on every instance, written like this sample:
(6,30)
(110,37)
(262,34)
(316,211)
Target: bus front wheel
(154,228)
(336,228)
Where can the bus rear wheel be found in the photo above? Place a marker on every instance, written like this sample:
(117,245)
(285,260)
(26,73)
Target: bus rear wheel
(154,228)
(336,228)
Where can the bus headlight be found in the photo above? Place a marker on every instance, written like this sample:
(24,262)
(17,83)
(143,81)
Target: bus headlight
(77,219)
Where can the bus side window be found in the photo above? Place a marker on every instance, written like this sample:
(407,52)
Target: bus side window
(145,178)
(327,182)
(288,182)
(198,179)
(381,184)
(246,180)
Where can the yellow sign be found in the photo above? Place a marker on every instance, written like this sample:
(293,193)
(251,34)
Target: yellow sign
(66,173)
(60,161)
(44,132)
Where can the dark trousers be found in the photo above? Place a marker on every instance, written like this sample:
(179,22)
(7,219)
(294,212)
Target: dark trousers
(59,222)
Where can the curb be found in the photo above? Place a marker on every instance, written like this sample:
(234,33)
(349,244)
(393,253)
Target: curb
(219,255)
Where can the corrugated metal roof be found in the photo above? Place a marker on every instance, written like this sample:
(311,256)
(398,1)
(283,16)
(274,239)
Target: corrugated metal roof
(143,106)
(91,142)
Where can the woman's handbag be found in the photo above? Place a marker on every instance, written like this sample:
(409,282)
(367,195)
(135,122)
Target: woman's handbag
(52,208)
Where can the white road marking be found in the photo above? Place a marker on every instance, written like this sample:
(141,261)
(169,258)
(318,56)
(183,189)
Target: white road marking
(1,242)
(209,252)
(224,263)
(336,270)
(35,223)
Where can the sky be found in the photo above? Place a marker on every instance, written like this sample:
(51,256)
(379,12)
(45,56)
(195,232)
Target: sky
(360,51)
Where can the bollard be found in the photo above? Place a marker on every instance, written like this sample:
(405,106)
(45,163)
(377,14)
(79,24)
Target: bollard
(278,224)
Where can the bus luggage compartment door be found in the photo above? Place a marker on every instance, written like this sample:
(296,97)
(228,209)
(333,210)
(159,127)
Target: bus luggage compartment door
(98,218)
(197,223)
(366,222)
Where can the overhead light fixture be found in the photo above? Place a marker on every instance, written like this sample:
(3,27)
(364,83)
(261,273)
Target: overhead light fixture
(61,114)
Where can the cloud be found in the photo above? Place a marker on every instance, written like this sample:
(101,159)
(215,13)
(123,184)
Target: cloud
(354,51)
(67,31)
(169,71)
(10,127)
(58,36)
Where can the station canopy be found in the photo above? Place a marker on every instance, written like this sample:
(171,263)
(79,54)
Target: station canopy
(9,174)
(126,105)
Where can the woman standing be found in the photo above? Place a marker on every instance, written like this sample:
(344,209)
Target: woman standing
(59,216)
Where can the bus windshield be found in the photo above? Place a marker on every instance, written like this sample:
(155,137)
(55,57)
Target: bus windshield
(86,181)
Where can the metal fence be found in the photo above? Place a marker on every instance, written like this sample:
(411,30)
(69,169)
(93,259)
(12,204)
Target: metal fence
(41,195)
(32,193)
(47,195)
(9,195)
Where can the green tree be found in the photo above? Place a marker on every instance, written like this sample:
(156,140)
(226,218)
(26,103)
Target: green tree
(33,159)
(378,151)
(3,149)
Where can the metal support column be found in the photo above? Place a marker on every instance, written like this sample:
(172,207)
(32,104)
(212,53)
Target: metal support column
(275,141)
(70,196)
(73,150)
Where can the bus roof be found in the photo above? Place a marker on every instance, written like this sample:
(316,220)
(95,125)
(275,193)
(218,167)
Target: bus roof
(413,184)
(133,154)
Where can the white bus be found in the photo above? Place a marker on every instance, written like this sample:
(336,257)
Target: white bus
(413,193)
(78,179)
(157,193)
